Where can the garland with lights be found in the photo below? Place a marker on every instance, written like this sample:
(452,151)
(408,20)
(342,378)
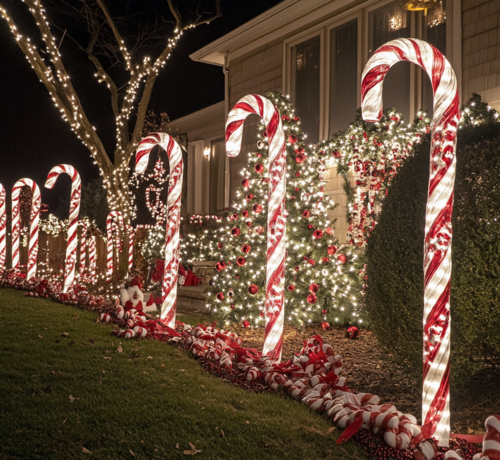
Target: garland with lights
(322,276)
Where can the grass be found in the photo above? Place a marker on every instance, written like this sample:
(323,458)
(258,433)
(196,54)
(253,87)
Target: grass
(149,401)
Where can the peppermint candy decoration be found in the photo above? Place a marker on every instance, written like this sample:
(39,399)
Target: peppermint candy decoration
(173,221)
(74,211)
(16,225)
(438,229)
(276,216)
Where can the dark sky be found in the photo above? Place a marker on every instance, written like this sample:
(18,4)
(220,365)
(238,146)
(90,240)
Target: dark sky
(33,136)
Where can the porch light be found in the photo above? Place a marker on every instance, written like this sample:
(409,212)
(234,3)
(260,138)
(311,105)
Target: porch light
(206,152)
(418,5)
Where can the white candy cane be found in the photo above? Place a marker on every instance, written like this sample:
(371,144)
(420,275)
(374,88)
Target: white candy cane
(74,211)
(131,233)
(117,217)
(172,238)
(83,245)
(92,258)
(438,230)
(16,224)
(3,227)
(276,214)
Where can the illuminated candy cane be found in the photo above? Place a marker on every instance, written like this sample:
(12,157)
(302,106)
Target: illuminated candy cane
(438,230)
(3,227)
(112,216)
(172,239)
(83,245)
(74,211)
(92,258)
(276,216)
(131,232)
(16,224)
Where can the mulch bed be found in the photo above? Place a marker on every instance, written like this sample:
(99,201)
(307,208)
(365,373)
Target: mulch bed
(370,370)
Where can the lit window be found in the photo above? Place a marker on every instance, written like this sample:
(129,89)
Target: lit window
(217,176)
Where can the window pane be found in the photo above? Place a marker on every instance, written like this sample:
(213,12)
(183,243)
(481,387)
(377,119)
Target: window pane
(217,176)
(435,34)
(343,75)
(305,85)
(385,24)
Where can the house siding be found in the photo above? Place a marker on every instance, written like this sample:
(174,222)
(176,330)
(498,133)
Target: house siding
(481,49)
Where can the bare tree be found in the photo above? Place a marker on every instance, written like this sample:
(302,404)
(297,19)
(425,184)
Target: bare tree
(121,64)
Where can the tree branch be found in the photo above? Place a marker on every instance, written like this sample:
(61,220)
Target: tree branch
(116,33)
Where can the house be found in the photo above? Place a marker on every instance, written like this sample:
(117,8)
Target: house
(315,51)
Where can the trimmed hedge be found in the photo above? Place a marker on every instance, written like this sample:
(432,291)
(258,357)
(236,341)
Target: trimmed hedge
(394,255)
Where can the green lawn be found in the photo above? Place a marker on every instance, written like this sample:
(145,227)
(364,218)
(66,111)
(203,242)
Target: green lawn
(149,401)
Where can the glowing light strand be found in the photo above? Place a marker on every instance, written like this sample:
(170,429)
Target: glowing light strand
(74,211)
(173,221)
(36,203)
(276,217)
(438,226)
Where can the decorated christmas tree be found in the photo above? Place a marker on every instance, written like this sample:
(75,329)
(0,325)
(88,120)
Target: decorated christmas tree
(322,275)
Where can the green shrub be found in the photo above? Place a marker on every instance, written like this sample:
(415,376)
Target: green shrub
(394,255)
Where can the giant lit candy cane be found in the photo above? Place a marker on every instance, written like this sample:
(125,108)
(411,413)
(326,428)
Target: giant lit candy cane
(131,231)
(16,224)
(118,217)
(83,245)
(276,215)
(3,227)
(172,239)
(92,259)
(438,231)
(74,211)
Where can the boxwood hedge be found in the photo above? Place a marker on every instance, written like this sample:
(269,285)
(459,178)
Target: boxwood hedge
(394,255)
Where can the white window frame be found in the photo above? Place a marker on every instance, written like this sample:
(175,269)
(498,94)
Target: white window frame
(361,13)
(198,178)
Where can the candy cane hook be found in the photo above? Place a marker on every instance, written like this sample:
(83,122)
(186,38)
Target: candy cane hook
(116,216)
(173,221)
(74,211)
(276,216)
(3,227)
(438,230)
(36,203)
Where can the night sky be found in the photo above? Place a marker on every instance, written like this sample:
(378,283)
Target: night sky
(33,136)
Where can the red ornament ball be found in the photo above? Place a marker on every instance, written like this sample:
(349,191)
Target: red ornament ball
(241,261)
(246,323)
(299,158)
(297,269)
(311,298)
(244,213)
(259,168)
(332,250)
(235,215)
(220,296)
(325,260)
(235,231)
(232,305)
(352,332)
(285,118)
(342,258)
(306,213)
(292,139)
(249,223)
(318,234)
(325,325)
(323,311)
(297,174)
(312,262)
(265,133)
(246,248)
(220,245)
(310,226)
(257,208)
(291,287)
(253,289)
(219,267)
(259,229)
(313,288)
(245,182)
(249,197)
(329,230)
(296,118)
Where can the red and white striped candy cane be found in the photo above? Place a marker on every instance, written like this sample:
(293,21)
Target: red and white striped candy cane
(172,238)
(83,245)
(491,441)
(438,230)
(3,227)
(131,233)
(113,216)
(36,203)
(276,215)
(74,211)
(92,258)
